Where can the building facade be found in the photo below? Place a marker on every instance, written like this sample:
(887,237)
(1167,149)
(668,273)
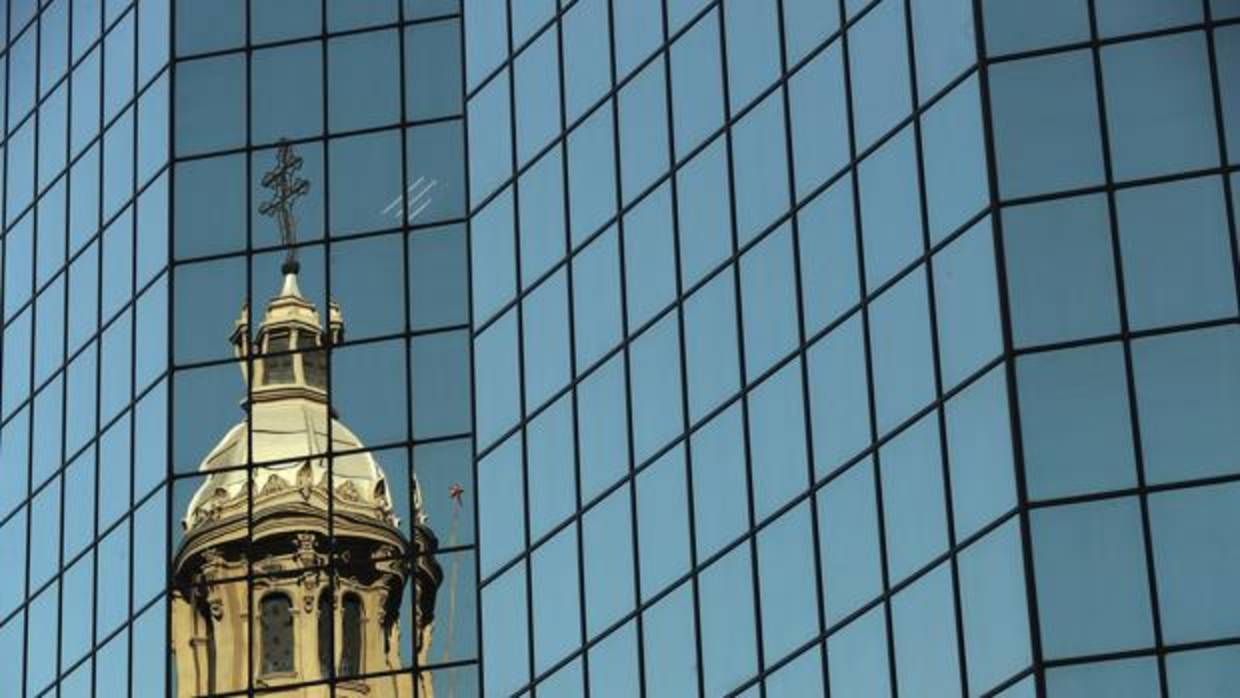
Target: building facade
(725,348)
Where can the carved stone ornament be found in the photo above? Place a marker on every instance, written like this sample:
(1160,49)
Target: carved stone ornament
(305,480)
(275,484)
(348,491)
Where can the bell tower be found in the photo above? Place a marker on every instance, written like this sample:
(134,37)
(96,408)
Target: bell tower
(293,565)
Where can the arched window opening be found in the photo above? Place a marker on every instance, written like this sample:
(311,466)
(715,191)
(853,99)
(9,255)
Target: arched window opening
(351,637)
(279,367)
(276,623)
(325,634)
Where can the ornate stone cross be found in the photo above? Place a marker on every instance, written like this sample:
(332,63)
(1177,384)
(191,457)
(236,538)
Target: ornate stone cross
(286,187)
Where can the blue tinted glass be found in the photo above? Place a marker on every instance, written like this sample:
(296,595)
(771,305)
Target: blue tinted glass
(711,345)
(777,440)
(878,58)
(900,343)
(365,85)
(285,19)
(800,677)
(432,70)
(1132,16)
(806,24)
(1017,25)
(118,75)
(45,526)
(365,170)
(596,299)
(967,302)
(495,370)
(819,115)
(943,37)
(1129,677)
(607,542)
(955,160)
(1188,399)
(663,522)
(1196,560)
(545,331)
(204,26)
(848,531)
(760,168)
(556,603)
(924,623)
(1060,270)
(505,636)
(979,449)
(643,130)
(16,372)
(1209,673)
(486,40)
(670,646)
(649,257)
(729,642)
(13,545)
(613,664)
(994,607)
(1075,422)
(602,426)
(493,257)
(857,658)
(1089,566)
(583,24)
(704,217)
(638,30)
(538,96)
(768,302)
(591,169)
(655,362)
(753,49)
(839,398)
(697,88)
(490,139)
(1045,144)
(528,17)
(287,98)
(890,213)
(41,640)
(915,522)
(549,444)
(1227,55)
(1159,106)
(720,496)
(828,248)
(788,598)
(1176,253)
(210,104)
(541,196)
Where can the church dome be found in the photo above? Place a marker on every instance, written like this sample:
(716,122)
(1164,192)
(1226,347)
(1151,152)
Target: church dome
(288,435)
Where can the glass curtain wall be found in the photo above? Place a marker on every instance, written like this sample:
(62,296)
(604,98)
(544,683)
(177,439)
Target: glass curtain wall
(861,347)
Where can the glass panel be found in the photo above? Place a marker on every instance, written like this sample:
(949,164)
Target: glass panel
(1127,677)
(828,248)
(210,103)
(541,210)
(729,641)
(1188,398)
(1044,144)
(1208,673)
(556,599)
(924,622)
(649,257)
(703,212)
(663,522)
(943,38)
(914,517)
(787,591)
(1159,106)
(890,214)
(857,658)
(848,529)
(655,362)
(1075,421)
(545,335)
(720,489)
(496,372)
(582,25)
(643,130)
(1017,25)
(490,137)
(760,168)
(553,482)
(286,97)
(979,450)
(878,57)
(592,171)
(753,51)
(903,361)
(606,532)
(1129,16)
(697,88)
(501,519)
(1177,277)
(768,302)
(839,396)
(602,426)
(505,638)
(537,95)
(967,303)
(1089,566)
(819,115)
(777,440)
(1060,270)
(362,70)
(1196,560)
(955,160)
(994,608)
(596,299)
(671,646)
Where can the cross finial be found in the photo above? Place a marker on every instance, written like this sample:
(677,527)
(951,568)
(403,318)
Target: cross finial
(286,187)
